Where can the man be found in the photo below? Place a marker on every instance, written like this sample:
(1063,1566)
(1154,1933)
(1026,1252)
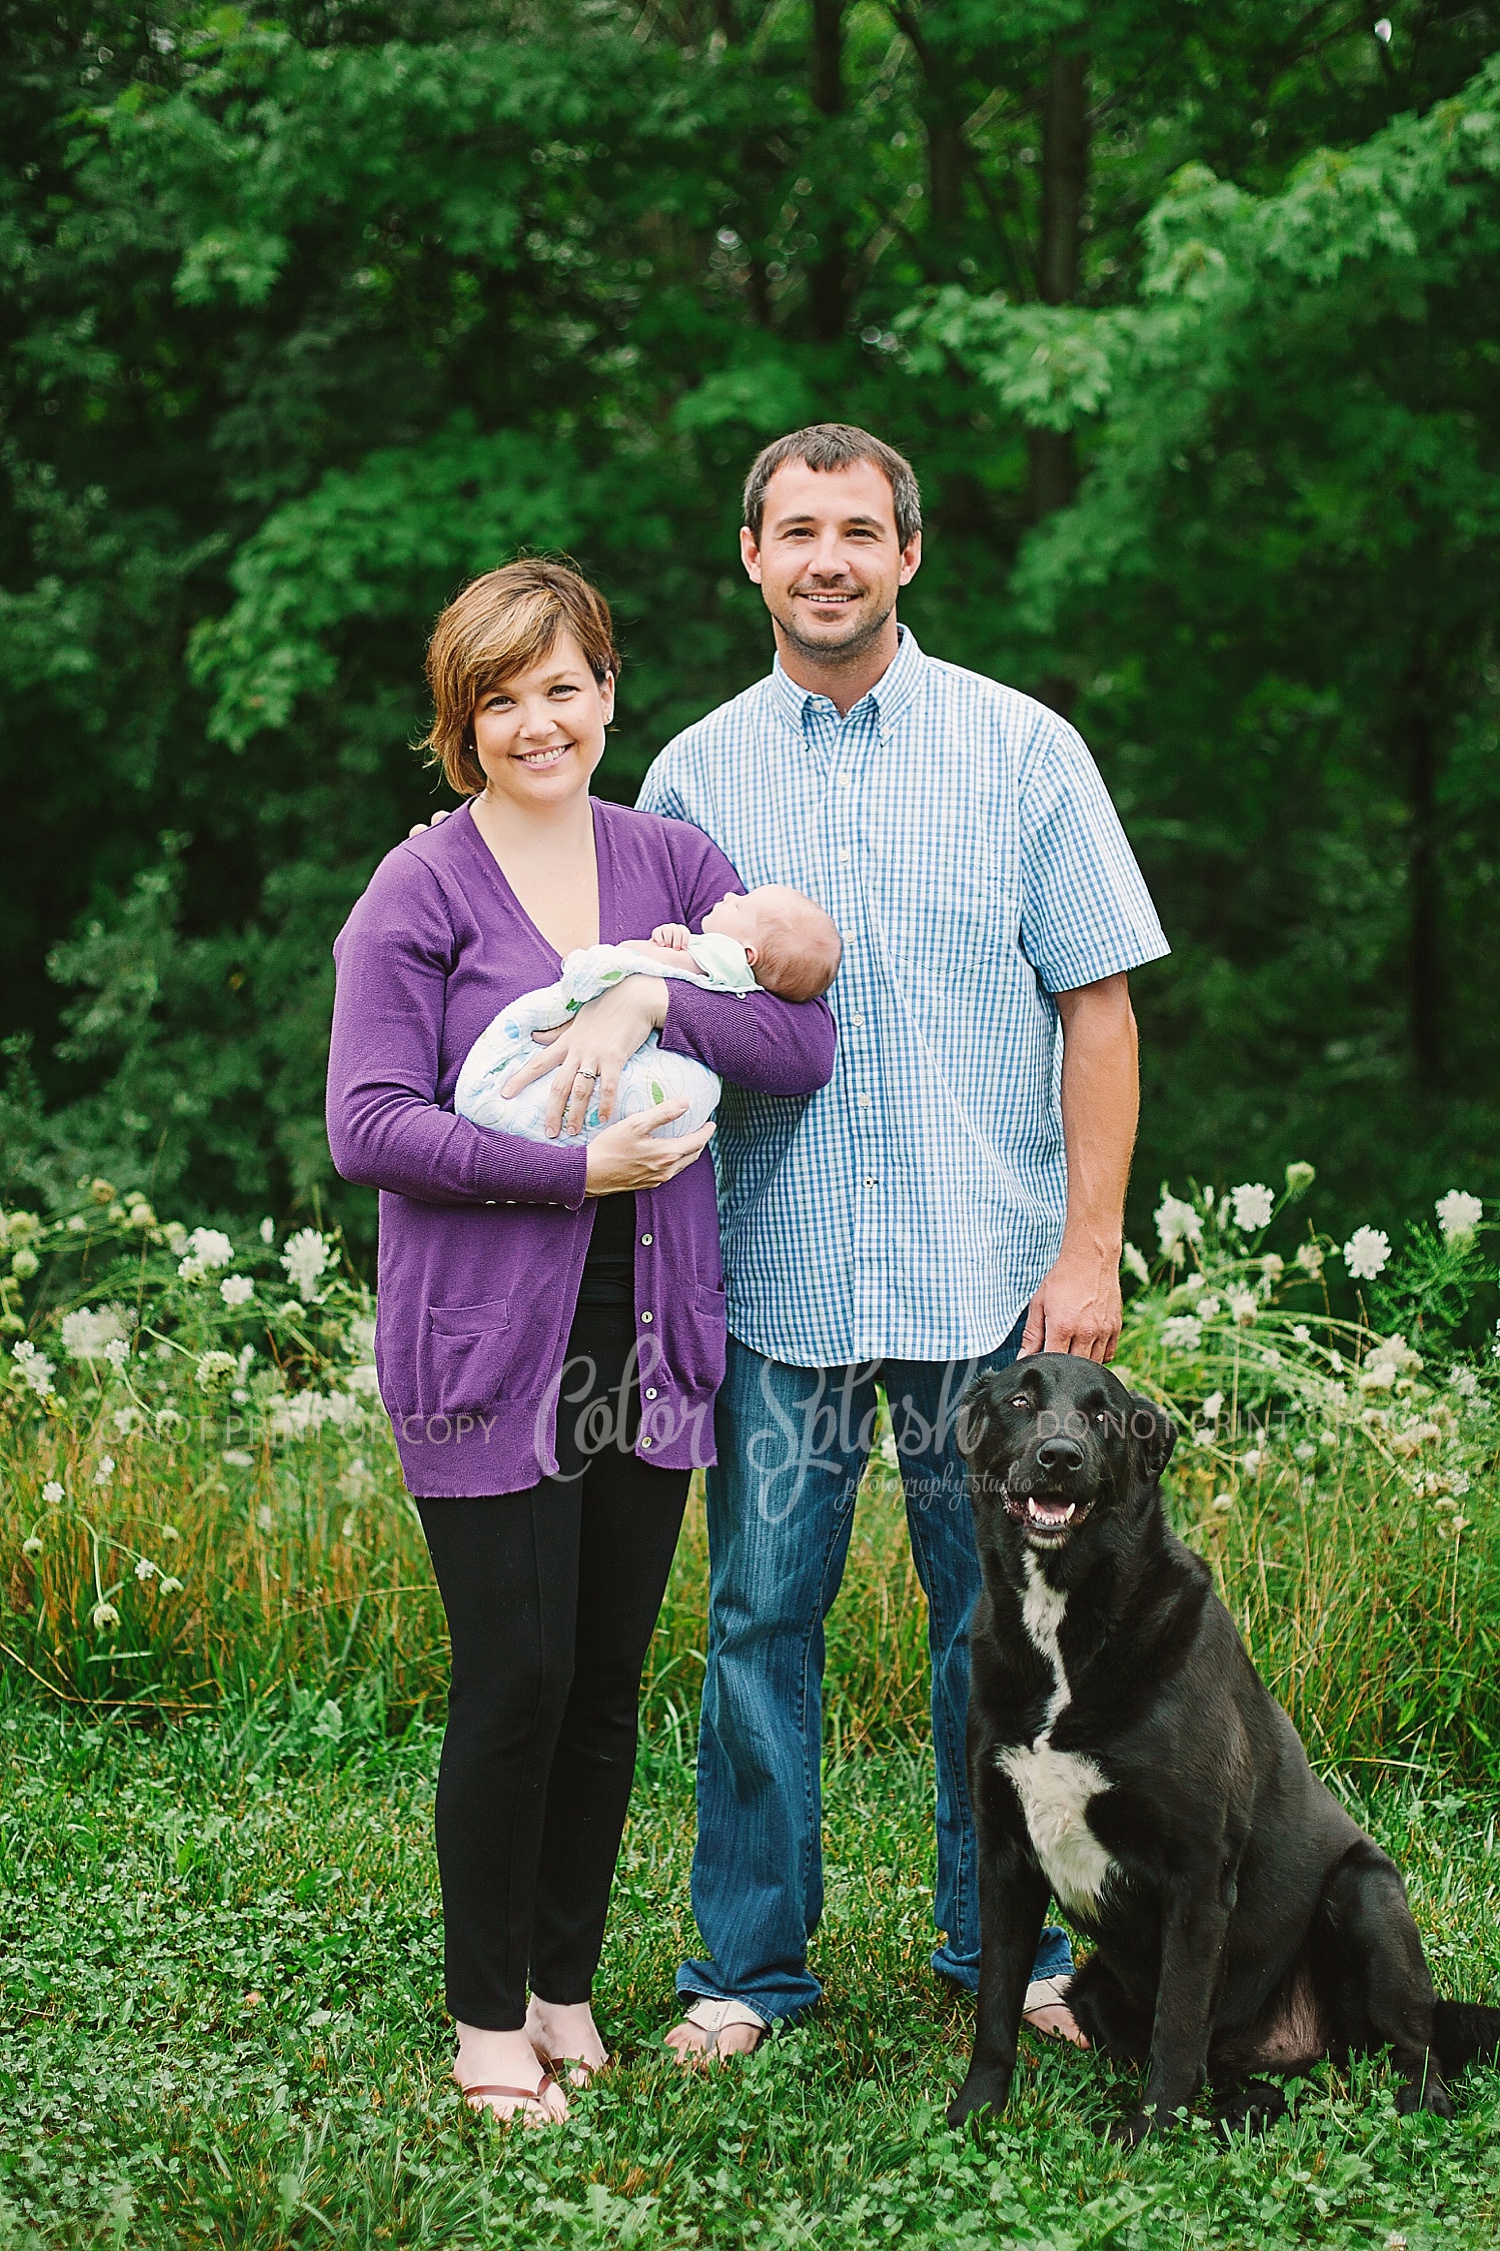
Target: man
(954,1196)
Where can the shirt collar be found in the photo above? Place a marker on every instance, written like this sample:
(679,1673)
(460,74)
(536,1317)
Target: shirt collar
(890,694)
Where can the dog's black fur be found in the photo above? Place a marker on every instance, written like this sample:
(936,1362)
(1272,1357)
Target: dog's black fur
(1241,1921)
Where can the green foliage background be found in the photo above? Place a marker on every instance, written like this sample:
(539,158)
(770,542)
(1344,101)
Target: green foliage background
(1183,308)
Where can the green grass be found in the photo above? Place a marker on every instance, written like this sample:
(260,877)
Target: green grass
(220,2024)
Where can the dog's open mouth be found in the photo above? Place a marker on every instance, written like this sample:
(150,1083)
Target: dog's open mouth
(1047,1517)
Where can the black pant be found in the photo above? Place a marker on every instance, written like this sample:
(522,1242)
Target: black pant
(551,1596)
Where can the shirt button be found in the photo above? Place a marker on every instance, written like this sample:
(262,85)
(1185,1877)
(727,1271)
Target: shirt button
(872,1183)
(645,1238)
(648,1316)
(858,1022)
(843,851)
(845,780)
(651,1392)
(864,1103)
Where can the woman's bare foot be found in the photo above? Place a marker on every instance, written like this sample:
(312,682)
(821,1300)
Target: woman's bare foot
(507,2061)
(1046,2011)
(713,2030)
(566,2034)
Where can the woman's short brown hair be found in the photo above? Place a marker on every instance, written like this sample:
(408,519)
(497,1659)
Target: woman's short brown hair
(503,623)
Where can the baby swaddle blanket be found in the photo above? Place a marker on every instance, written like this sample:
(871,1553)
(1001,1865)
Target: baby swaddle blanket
(649,1078)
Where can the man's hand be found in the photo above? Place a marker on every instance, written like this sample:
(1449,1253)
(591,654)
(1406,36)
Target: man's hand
(1077,1308)
(675,934)
(593,1047)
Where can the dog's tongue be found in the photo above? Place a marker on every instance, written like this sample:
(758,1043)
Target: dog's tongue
(1049,1513)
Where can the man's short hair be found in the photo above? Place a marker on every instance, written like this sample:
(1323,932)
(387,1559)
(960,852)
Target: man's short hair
(829,446)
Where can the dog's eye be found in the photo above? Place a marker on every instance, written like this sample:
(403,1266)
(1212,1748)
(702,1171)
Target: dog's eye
(1023,1403)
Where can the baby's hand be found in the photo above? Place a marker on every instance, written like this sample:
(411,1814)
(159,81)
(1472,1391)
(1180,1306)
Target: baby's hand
(674,934)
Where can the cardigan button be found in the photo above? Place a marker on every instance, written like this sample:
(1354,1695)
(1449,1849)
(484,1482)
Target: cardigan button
(646,1239)
(645,1445)
(648,1316)
(651,1392)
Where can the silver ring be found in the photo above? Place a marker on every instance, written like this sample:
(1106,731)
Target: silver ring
(581,1073)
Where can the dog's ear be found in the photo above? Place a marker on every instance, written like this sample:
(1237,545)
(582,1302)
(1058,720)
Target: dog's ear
(1155,1435)
(971,1426)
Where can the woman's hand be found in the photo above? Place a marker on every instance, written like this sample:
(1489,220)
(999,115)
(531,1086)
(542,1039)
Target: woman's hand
(594,1046)
(632,1154)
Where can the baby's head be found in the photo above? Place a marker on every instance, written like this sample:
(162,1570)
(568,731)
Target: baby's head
(793,947)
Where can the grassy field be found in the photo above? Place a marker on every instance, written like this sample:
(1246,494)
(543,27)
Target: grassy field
(219,1961)
(222,1662)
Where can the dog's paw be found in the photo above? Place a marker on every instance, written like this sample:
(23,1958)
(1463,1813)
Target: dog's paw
(1250,2108)
(1428,2094)
(1129,2133)
(985,2091)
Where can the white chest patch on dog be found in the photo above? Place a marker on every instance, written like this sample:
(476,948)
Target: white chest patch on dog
(1056,1788)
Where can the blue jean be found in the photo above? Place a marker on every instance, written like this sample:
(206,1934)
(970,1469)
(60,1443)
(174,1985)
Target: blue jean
(792,1445)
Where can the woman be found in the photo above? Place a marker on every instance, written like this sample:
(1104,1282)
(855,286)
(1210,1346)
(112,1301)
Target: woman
(551,1323)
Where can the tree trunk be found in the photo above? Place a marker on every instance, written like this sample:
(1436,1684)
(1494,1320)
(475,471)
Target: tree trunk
(829,278)
(1424,973)
(1065,162)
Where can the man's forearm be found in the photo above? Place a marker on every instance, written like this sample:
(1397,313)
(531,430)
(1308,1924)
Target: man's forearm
(1100,1111)
(1077,1308)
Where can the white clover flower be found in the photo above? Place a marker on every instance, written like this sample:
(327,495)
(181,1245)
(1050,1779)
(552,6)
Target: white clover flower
(37,1369)
(1223,1502)
(236,1289)
(31,1545)
(215,1368)
(1310,1259)
(52,1492)
(211,1247)
(170,1532)
(1177,1223)
(1273,1266)
(145,1570)
(190,1270)
(1459,1214)
(1367,1253)
(1306,1452)
(303,1261)
(1134,1263)
(1244,1304)
(1462,1380)
(1183,1333)
(237,1458)
(264,1518)
(1209,1306)
(1250,1463)
(117,1352)
(268,1230)
(106,1469)
(1253,1205)
(87,1334)
(166,1420)
(169,1585)
(1301,1333)
(346,1530)
(105,1614)
(1213,1406)
(124,1420)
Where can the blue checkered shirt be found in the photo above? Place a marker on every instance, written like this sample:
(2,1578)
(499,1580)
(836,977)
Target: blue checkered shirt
(961,838)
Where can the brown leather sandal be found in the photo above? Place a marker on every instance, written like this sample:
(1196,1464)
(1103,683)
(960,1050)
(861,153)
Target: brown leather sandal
(531,2095)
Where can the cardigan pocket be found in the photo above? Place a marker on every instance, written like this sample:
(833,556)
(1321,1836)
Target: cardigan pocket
(698,1353)
(468,1347)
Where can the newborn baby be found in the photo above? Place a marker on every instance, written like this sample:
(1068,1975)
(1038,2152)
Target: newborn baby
(770,938)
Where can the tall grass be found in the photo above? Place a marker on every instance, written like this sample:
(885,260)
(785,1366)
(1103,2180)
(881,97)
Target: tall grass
(199,1497)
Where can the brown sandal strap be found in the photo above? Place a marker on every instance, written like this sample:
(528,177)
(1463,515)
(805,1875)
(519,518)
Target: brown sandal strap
(515,2094)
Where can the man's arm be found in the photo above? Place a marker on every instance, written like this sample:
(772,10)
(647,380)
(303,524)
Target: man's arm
(1077,1308)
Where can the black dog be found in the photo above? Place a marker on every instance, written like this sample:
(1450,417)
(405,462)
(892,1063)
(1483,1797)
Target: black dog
(1125,1757)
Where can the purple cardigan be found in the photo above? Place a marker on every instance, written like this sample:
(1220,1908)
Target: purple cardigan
(482,1236)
